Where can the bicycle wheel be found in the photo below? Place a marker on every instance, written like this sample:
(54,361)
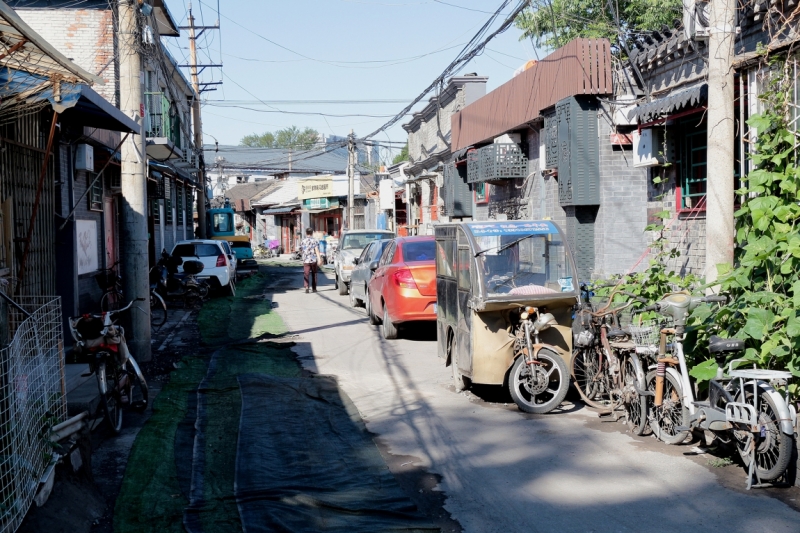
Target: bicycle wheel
(591,377)
(110,398)
(203,288)
(111,301)
(665,420)
(139,395)
(192,299)
(158,310)
(541,387)
(635,404)
(773,447)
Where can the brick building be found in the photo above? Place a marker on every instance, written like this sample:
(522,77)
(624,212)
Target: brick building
(553,143)
(86,32)
(429,148)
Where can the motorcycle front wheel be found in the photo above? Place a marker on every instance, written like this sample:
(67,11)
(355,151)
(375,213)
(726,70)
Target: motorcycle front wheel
(539,387)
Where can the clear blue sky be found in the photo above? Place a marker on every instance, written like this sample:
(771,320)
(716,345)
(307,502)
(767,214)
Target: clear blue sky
(346,44)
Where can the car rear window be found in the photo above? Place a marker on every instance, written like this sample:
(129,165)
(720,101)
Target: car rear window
(183,250)
(419,251)
(240,244)
(207,250)
(357,241)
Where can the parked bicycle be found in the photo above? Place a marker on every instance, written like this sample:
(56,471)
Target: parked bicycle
(605,366)
(167,283)
(119,378)
(111,285)
(742,405)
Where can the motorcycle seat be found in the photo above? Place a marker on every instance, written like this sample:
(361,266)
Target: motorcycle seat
(720,345)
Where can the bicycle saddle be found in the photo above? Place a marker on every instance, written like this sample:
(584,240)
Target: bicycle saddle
(616,332)
(720,345)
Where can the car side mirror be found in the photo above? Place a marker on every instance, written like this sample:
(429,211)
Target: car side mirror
(356,261)
(373,266)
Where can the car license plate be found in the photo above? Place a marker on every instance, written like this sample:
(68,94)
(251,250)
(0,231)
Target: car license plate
(434,308)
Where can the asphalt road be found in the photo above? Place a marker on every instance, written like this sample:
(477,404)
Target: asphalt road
(504,471)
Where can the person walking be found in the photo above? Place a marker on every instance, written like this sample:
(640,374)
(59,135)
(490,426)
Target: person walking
(310,250)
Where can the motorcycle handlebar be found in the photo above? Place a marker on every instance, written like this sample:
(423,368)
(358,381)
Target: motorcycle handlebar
(716,298)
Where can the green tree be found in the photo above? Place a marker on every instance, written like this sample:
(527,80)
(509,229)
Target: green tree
(554,23)
(292,138)
(265,140)
(402,156)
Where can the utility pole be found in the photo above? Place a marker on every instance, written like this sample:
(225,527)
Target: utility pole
(136,283)
(721,139)
(351,172)
(197,121)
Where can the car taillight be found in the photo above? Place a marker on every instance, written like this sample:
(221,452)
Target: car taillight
(221,261)
(404,279)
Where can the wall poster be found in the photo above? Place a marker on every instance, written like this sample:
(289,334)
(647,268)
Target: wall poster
(87,246)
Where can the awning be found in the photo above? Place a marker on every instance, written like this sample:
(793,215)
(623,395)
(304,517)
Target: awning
(317,211)
(94,111)
(672,103)
(279,211)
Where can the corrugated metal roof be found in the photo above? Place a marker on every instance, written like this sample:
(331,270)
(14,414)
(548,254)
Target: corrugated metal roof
(286,192)
(582,66)
(275,160)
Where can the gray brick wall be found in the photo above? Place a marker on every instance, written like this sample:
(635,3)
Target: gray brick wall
(89,293)
(686,232)
(619,228)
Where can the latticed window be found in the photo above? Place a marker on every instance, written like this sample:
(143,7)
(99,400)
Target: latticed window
(168,191)
(95,193)
(179,201)
(155,212)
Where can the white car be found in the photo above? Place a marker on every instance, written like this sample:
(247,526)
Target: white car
(350,247)
(219,263)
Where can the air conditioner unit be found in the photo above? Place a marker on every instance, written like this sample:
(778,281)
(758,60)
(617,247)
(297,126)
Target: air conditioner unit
(696,17)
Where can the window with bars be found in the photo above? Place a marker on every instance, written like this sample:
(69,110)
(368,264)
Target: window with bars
(155,212)
(95,192)
(168,200)
(179,202)
(694,171)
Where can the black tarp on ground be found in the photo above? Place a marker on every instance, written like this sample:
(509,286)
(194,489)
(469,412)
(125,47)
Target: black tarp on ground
(305,463)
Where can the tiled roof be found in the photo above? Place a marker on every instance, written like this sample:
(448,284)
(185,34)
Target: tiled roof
(247,191)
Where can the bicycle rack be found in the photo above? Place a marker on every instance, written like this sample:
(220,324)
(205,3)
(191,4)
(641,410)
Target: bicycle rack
(741,413)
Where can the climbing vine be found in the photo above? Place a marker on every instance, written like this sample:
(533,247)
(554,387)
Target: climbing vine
(764,285)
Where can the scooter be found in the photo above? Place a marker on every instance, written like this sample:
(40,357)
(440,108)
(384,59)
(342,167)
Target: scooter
(166,281)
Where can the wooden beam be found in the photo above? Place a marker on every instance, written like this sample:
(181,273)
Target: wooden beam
(14,48)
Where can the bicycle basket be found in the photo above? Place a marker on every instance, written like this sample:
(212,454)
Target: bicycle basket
(106,279)
(646,333)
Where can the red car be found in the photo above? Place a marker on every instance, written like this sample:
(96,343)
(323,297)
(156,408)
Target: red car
(403,288)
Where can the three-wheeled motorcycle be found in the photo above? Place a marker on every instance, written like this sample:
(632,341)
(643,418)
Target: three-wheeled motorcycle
(505,295)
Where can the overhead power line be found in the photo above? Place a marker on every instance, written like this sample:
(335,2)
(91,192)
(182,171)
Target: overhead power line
(222,103)
(467,54)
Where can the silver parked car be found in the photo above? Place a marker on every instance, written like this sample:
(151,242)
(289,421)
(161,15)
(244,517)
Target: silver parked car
(362,273)
(351,245)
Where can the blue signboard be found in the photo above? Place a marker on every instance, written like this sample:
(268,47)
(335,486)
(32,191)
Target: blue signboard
(517,227)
